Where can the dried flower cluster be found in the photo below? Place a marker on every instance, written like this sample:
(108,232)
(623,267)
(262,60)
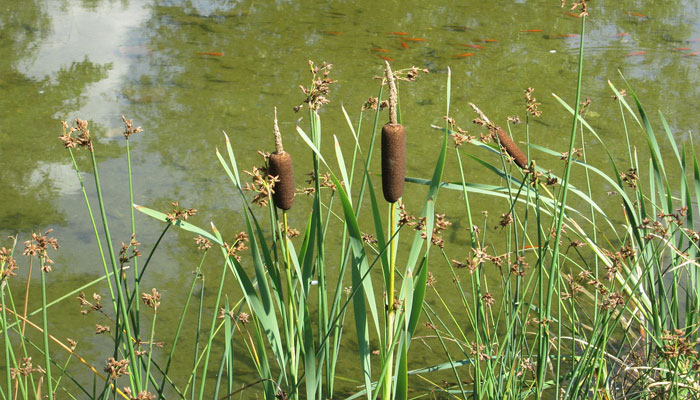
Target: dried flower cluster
(202,243)
(8,264)
(129,128)
(115,368)
(676,344)
(622,93)
(83,139)
(124,255)
(630,177)
(320,87)
(576,4)
(479,256)
(100,329)
(179,213)
(531,103)
(239,244)
(142,395)
(577,152)
(96,306)
(151,300)
(262,184)
(38,246)
(372,103)
(482,120)
(369,238)
(459,135)
(406,74)
(26,369)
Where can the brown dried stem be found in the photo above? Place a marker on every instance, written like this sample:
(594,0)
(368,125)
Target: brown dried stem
(393,95)
(278,136)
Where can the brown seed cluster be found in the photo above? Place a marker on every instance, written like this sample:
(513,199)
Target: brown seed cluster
(96,305)
(26,369)
(578,4)
(38,246)
(180,213)
(202,243)
(83,139)
(129,128)
(8,264)
(151,300)
(239,245)
(531,103)
(320,87)
(115,368)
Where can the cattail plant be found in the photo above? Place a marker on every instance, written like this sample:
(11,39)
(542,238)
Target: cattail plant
(513,150)
(283,198)
(393,172)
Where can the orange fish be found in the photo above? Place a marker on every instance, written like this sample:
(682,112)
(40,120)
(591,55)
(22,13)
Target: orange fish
(464,55)
(378,49)
(568,34)
(636,53)
(531,30)
(622,34)
(404,45)
(210,53)
(570,14)
(681,48)
(415,39)
(398,33)
(637,15)
(473,46)
(385,57)
(695,40)
(490,40)
(333,33)
(692,54)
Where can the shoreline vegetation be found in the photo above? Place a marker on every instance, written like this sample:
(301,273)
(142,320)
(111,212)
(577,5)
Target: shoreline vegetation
(564,299)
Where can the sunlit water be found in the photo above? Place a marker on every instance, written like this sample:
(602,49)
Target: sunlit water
(186,71)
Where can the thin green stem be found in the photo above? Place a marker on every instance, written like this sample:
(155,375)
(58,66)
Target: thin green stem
(391,312)
(135,380)
(47,356)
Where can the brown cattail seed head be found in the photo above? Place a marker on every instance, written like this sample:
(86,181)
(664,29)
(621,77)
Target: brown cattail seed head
(281,167)
(393,161)
(512,148)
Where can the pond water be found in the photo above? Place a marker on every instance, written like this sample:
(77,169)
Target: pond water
(186,70)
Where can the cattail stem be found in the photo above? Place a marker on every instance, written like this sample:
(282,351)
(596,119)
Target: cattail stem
(291,304)
(391,312)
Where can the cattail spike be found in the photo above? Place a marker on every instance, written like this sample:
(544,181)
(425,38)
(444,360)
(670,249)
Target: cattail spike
(278,135)
(281,166)
(513,150)
(393,95)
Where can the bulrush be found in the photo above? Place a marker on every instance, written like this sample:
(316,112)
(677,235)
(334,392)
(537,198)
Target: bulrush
(281,167)
(393,148)
(512,148)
